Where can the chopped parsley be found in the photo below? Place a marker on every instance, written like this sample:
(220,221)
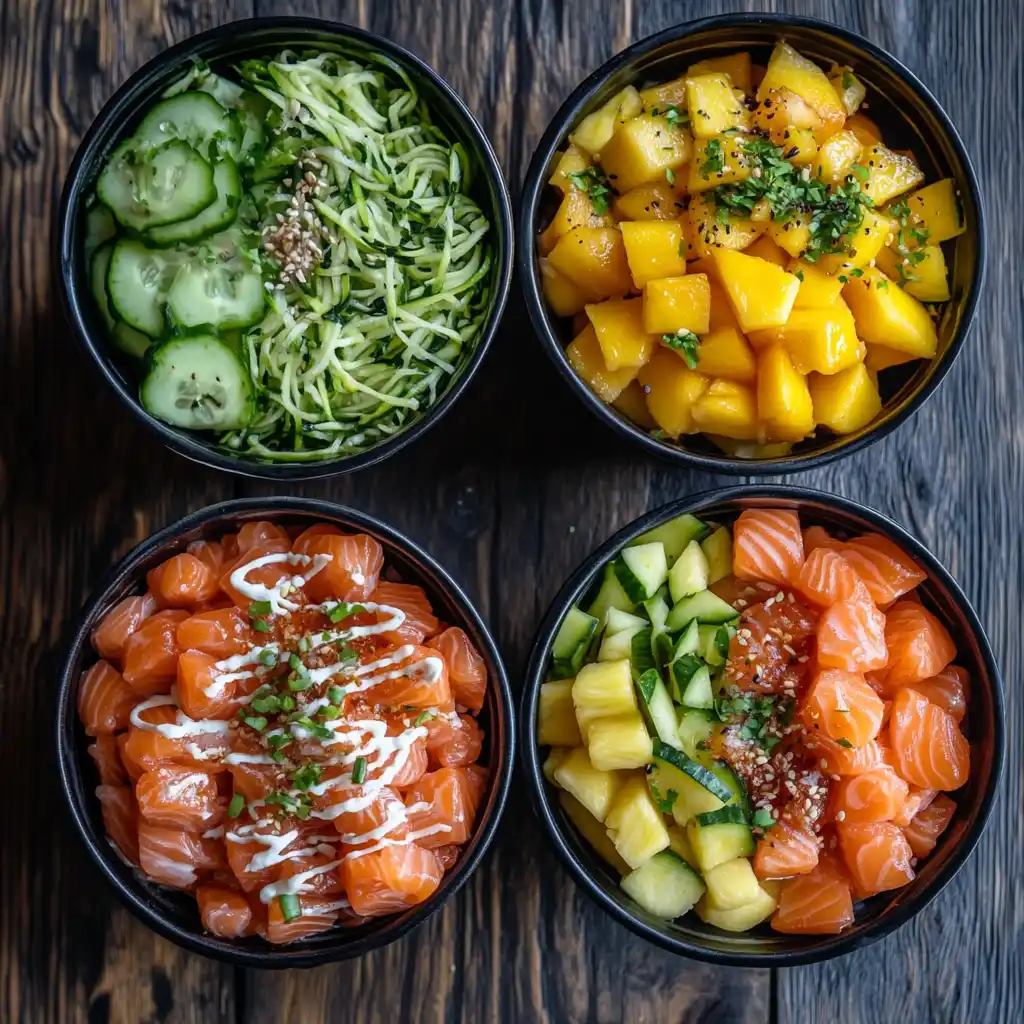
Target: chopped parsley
(670,175)
(236,806)
(307,776)
(685,342)
(763,818)
(675,116)
(593,182)
(714,159)
(665,803)
(844,742)
(909,242)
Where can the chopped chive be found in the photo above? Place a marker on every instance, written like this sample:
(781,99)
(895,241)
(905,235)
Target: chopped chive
(306,776)
(299,683)
(329,713)
(302,811)
(261,625)
(347,654)
(287,703)
(304,644)
(236,805)
(290,906)
(424,716)
(359,770)
(257,722)
(257,608)
(339,612)
(276,756)
(321,732)
(279,740)
(268,657)
(335,694)
(844,742)
(295,663)
(266,705)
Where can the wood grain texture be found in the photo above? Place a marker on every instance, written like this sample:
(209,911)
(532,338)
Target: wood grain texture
(511,492)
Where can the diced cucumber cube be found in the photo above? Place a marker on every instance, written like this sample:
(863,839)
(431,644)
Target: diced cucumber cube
(718,836)
(572,642)
(657,707)
(676,534)
(705,607)
(698,692)
(688,642)
(616,646)
(714,643)
(718,551)
(665,886)
(689,574)
(642,569)
(694,727)
(657,609)
(616,621)
(611,595)
(681,671)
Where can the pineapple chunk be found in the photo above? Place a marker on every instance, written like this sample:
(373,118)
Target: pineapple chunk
(584,355)
(742,919)
(632,403)
(594,259)
(594,131)
(767,249)
(887,315)
(593,788)
(787,69)
(889,174)
(672,389)
(824,340)
(677,304)
(783,399)
(732,885)
(864,128)
(604,688)
(654,249)
(680,845)
(818,290)
(654,201)
(836,156)
(564,298)
(635,825)
(923,272)
(619,324)
(556,717)
(879,357)
(707,232)
(761,293)
(846,401)
(718,161)
(726,353)
(936,208)
(572,161)
(644,149)
(620,742)
(592,831)
(556,755)
(735,65)
(713,105)
(729,409)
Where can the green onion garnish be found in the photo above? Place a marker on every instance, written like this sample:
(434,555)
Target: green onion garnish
(268,657)
(258,608)
(299,683)
(338,612)
(236,806)
(261,625)
(258,722)
(329,713)
(335,694)
(266,705)
(347,654)
(295,663)
(304,644)
(359,770)
(287,703)
(290,906)
(424,716)
(306,776)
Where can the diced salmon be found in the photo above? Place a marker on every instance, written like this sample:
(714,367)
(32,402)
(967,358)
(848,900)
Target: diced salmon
(258,533)
(229,547)
(784,851)
(836,759)
(818,537)
(105,700)
(876,854)
(184,798)
(919,645)
(767,545)
(930,750)
(928,824)
(385,817)
(467,672)
(144,749)
(111,635)
(305,537)
(948,689)
(842,706)
(818,903)
(318,914)
(772,638)
(878,794)
(225,912)
(175,858)
(200,694)
(917,800)
(439,808)
(221,632)
(420,620)
(826,577)
(851,636)
(390,879)
(352,572)
(887,571)
(120,815)
(210,553)
(182,581)
(255,781)
(104,751)
(448,856)
(418,681)
(477,777)
(269,575)
(453,740)
(151,654)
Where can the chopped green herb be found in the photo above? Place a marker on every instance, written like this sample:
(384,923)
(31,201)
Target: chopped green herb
(295,663)
(882,286)
(329,713)
(335,694)
(257,722)
(280,739)
(290,906)
(593,182)
(347,654)
(670,175)
(299,683)
(268,657)
(722,641)
(261,625)
(799,275)
(270,705)
(359,770)
(657,433)
(861,171)
(304,644)
(665,803)
(287,703)
(844,742)
(763,818)
(258,608)
(676,117)
(714,159)
(425,716)
(685,342)
(236,806)
(307,776)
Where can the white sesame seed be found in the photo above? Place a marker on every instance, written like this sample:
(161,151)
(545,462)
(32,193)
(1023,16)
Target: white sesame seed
(841,816)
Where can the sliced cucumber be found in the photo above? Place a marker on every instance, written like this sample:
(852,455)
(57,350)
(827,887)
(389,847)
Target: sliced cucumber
(675,534)
(198,383)
(657,708)
(714,643)
(145,188)
(99,266)
(718,551)
(688,642)
(696,772)
(641,653)
(720,836)
(689,574)
(731,814)
(657,609)
(130,341)
(681,671)
(665,886)
(250,108)
(618,645)
(139,280)
(611,595)
(617,621)
(217,216)
(219,295)
(662,644)
(739,796)
(698,693)
(572,642)
(195,118)
(694,727)
(99,228)
(704,607)
(641,569)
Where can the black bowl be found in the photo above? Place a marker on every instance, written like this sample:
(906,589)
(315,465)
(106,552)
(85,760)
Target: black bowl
(909,116)
(118,119)
(173,914)
(877,916)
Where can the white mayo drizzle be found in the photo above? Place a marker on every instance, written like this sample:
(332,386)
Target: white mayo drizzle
(296,884)
(241,758)
(411,837)
(214,833)
(185,726)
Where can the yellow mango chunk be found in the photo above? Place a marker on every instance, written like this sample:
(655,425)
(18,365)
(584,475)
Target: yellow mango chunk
(847,401)
(729,409)
(656,200)
(861,246)
(879,357)
(619,324)
(864,128)
(787,69)
(721,314)
(889,174)
(887,315)
(923,272)
(572,161)
(645,148)
(761,293)
(674,304)
(564,298)
(936,208)
(751,449)
(671,388)
(824,340)
(708,232)
(584,355)
(849,88)
(658,98)
(780,109)
(836,156)
(594,131)
(718,161)
(726,353)
(818,290)
(632,403)
(792,235)
(594,259)
(783,399)
(735,65)
(576,210)
(654,248)
(767,249)
(713,105)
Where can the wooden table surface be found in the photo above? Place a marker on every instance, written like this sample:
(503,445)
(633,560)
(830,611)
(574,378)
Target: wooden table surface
(510,493)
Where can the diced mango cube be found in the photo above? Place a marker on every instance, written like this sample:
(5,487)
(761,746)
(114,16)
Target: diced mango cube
(658,98)
(572,161)
(562,295)
(767,249)
(674,304)
(735,65)
(594,131)
(836,156)
(645,148)
(787,69)
(783,399)
(584,355)
(575,210)
(864,128)
(713,105)
(671,388)
(818,290)
(708,232)
(726,353)
(879,357)
(861,246)
(921,273)
(799,146)
(718,161)
(847,401)
(632,403)
(619,324)
(656,200)
(594,259)
(889,174)
(782,108)
(761,293)
(936,208)
(793,235)
(824,340)
(729,409)
(849,88)
(886,315)
(654,249)
(721,314)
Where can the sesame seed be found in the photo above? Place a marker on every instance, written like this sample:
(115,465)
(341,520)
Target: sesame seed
(841,816)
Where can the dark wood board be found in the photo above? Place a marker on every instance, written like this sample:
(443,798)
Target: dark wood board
(510,493)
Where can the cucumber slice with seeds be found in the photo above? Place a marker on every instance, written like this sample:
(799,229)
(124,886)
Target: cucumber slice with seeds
(99,266)
(219,295)
(138,281)
(217,216)
(195,118)
(198,383)
(250,108)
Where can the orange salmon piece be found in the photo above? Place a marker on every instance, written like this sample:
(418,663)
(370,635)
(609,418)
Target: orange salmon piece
(390,879)
(196,676)
(352,572)
(878,794)
(929,748)
(851,636)
(151,654)
(948,689)
(420,620)
(440,806)
(210,553)
(743,593)
(225,912)
(826,577)
(765,653)
(326,882)
(269,575)
(818,537)
(919,645)
(842,706)
(453,740)
(477,777)
(182,581)
(175,858)
(886,570)
(467,672)
(876,854)
(836,759)
(221,632)
(144,750)
(928,824)
(767,545)
(111,635)
(120,815)
(418,681)
(105,700)
(184,798)
(104,751)
(917,800)
(318,914)
(304,537)
(818,903)
(448,856)
(258,533)
(784,851)
(371,824)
